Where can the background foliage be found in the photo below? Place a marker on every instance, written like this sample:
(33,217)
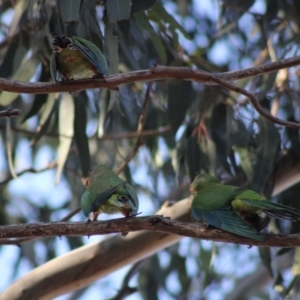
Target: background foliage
(189,128)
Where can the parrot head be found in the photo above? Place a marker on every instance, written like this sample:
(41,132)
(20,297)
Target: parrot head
(76,58)
(200,181)
(107,193)
(119,199)
(127,200)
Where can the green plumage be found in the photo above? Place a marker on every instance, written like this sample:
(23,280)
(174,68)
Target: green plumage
(108,193)
(233,209)
(76,58)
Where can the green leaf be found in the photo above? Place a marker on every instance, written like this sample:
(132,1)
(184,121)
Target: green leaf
(282,251)
(279,283)
(127,52)
(143,22)
(81,138)
(221,118)
(44,122)
(19,9)
(141,5)
(118,10)
(111,45)
(194,158)
(40,99)
(37,104)
(246,155)
(242,143)
(266,153)
(296,265)
(180,94)
(104,102)
(293,136)
(266,257)
(48,108)
(25,72)
(89,19)
(161,13)
(149,279)
(14,53)
(69,10)
(66,131)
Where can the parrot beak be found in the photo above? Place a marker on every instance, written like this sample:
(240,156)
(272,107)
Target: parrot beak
(93,216)
(192,189)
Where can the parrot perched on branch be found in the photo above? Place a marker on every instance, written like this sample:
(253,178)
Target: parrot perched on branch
(106,192)
(76,58)
(234,209)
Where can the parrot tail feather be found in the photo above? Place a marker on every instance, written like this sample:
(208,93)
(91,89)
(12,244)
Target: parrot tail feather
(282,214)
(275,210)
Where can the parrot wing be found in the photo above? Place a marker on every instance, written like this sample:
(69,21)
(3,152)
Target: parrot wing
(53,68)
(275,210)
(133,197)
(104,196)
(91,52)
(225,218)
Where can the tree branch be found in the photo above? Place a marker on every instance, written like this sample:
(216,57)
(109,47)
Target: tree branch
(106,137)
(255,103)
(139,132)
(157,73)
(152,223)
(10,113)
(84,265)
(97,260)
(50,165)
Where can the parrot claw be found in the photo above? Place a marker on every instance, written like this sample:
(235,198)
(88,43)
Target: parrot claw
(133,215)
(93,216)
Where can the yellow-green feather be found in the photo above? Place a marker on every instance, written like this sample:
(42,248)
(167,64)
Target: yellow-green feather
(101,181)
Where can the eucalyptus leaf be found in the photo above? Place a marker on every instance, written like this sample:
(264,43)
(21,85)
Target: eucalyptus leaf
(266,153)
(118,10)
(168,18)
(66,131)
(81,138)
(69,10)
(25,72)
(144,24)
(141,5)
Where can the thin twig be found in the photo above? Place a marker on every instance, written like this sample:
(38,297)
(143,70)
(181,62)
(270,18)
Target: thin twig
(50,165)
(10,113)
(106,137)
(138,144)
(71,214)
(125,289)
(139,132)
(254,102)
(19,241)
(9,149)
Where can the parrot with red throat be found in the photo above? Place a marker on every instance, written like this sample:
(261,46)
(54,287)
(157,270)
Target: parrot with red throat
(76,58)
(106,192)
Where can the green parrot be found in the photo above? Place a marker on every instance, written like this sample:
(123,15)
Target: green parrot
(76,58)
(234,209)
(106,192)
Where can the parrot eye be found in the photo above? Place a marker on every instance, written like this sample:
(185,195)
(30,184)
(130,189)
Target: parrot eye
(122,199)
